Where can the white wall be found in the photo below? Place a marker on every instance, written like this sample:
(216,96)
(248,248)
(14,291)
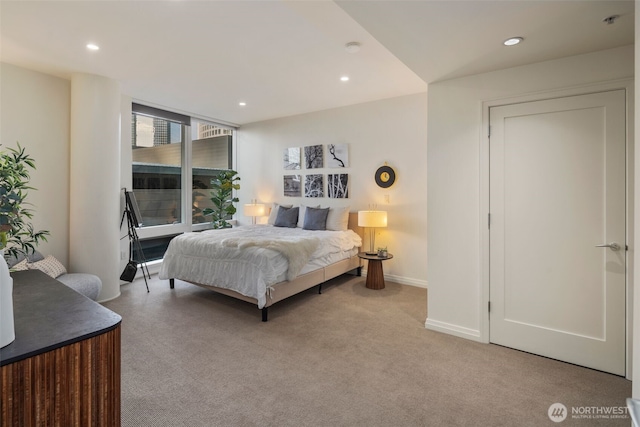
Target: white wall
(392,131)
(455,135)
(95,179)
(35,110)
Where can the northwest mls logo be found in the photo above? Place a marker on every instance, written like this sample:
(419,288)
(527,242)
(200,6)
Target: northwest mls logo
(557,412)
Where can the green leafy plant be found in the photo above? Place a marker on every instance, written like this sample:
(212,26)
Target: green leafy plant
(222,186)
(17,235)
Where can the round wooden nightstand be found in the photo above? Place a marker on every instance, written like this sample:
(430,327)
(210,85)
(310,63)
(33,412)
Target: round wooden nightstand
(375,275)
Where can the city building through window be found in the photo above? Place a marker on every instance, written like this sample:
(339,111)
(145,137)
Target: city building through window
(174,158)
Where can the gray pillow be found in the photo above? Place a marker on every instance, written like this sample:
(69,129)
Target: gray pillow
(287,217)
(34,257)
(315,219)
(274,212)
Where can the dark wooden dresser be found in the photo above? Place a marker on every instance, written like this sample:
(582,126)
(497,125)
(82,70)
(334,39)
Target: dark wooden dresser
(63,369)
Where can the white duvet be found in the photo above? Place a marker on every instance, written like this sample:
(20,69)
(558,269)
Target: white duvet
(249,259)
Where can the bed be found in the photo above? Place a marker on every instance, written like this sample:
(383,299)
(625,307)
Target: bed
(262,264)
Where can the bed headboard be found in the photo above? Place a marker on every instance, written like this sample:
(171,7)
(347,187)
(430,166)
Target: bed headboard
(353,225)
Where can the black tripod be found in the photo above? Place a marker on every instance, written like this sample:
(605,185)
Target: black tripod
(134,245)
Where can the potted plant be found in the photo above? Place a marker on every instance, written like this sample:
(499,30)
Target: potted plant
(17,235)
(222,186)
(16,232)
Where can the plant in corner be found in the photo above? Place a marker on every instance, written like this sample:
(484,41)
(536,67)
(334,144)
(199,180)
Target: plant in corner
(222,186)
(17,235)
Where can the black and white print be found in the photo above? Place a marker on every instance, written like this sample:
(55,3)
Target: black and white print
(314,186)
(314,156)
(293,185)
(338,185)
(337,155)
(291,158)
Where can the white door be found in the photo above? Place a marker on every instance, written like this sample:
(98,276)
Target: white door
(557,194)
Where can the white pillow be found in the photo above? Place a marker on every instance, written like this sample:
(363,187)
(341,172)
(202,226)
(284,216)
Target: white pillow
(274,212)
(48,265)
(21,266)
(303,208)
(338,219)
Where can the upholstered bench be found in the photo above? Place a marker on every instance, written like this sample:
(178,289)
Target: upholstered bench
(86,284)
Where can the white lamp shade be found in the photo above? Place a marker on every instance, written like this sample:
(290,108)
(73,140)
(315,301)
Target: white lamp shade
(254,209)
(372,219)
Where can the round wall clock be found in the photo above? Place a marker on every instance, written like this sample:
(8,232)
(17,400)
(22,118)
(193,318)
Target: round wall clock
(385,176)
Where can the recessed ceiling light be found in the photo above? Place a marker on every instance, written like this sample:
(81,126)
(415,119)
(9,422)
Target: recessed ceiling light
(242,104)
(513,41)
(344,78)
(92,46)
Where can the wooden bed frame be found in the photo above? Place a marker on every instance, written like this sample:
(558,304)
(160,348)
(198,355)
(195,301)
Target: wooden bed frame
(301,283)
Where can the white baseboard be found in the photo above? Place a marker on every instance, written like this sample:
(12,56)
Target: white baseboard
(406,281)
(108,299)
(451,329)
(402,280)
(153,266)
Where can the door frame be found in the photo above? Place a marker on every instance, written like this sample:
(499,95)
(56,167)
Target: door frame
(483,213)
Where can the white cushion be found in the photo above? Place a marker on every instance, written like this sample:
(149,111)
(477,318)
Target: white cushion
(21,266)
(338,219)
(48,265)
(274,212)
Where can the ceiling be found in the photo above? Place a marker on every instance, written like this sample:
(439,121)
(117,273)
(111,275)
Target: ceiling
(286,57)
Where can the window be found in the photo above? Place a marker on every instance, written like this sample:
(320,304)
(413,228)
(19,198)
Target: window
(153,248)
(174,158)
(210,153)
(157,146)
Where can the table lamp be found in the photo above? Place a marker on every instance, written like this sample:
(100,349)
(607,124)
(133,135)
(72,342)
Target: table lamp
(372,220)
(253,210)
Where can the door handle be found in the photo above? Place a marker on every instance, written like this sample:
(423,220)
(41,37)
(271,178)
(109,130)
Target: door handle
(613,245)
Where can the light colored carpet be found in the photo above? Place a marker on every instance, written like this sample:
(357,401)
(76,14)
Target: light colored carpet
(349,357)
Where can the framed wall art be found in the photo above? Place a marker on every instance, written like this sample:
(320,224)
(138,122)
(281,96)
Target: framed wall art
(314,185)
(314,157)
(292,185)
(338,185)
(337,155)
(291,158)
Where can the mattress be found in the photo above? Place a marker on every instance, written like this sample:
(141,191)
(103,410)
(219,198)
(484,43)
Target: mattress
(250,259)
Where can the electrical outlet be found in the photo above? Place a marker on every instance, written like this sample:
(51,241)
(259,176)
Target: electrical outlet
(123,255)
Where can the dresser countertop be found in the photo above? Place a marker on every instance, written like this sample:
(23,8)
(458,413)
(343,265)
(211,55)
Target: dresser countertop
(49,315)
